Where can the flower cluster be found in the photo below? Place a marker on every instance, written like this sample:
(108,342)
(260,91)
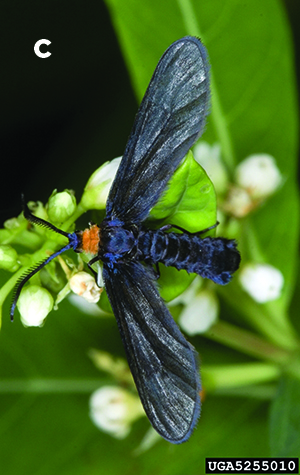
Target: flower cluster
(36,299)
(46,290)
(255,179)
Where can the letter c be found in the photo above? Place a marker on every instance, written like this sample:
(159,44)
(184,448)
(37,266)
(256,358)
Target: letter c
(37,48)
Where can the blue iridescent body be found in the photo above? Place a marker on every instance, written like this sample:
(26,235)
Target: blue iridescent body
(212,258)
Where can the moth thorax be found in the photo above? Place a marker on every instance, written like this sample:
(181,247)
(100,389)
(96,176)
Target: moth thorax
(89,240)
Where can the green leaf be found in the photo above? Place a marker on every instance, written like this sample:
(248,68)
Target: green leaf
(285,419)
(172,282)
(190,200)
(104,303)
(253,95)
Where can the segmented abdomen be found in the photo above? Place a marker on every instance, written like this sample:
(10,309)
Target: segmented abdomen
(214,258)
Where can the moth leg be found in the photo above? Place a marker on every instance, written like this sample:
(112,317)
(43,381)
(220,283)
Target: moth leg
(213,226)
(157,271)
(154,271)
(166,227)
(90,263)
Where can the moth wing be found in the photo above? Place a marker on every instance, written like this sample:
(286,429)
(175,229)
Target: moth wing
(170,119)
(163,364)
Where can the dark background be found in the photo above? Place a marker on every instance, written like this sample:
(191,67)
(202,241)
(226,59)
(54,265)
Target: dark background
(63,116)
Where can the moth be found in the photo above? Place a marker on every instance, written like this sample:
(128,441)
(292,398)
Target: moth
(170,119)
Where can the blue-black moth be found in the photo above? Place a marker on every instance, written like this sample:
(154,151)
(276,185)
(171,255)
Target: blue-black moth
(170,119)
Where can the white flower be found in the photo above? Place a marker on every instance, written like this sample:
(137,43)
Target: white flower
(97,188)
(186,296)
(238,202)
(262,281)
(34,304)
(84,285)
(113,410)
(209,157)
(200,313)
(259,175)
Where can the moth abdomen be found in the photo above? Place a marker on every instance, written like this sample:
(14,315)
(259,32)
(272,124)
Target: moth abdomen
(214,258)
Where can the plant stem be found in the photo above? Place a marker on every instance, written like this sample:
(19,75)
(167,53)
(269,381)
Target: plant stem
(281,334)
(77,213)
(247,342)
(274,310)
(263,392)
(43,385)
(227,376)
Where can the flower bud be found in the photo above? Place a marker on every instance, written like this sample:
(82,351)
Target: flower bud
(38,209)
(97,188)
(262,281)
(116,367)
(113,410)
(238,202)
(61,206)
(259,175)
(84,284)
(34,304)
(200,313)
(13,224)
(8,258)
(209,157)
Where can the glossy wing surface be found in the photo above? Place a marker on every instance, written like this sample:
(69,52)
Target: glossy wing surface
(170,119)
(163,364)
